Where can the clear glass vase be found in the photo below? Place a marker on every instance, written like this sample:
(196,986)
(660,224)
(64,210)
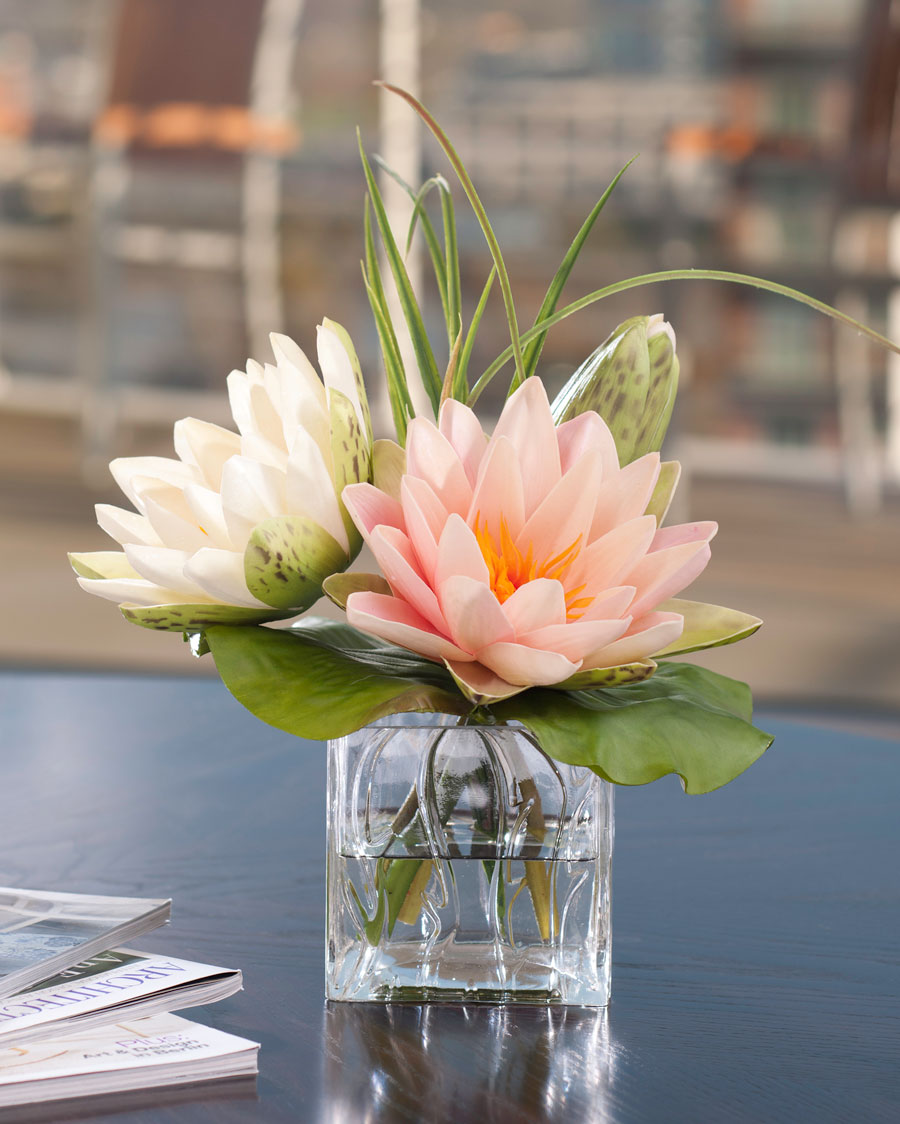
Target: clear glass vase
(465,865)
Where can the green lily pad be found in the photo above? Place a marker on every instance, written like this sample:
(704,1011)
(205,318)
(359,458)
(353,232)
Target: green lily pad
(292,682)
(193,618)
(707,626)
(608,676)
(287,559)
(684,720)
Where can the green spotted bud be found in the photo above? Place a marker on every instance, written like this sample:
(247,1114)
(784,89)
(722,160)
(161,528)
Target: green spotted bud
(631,381)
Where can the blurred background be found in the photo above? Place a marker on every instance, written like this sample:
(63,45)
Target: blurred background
(180,177)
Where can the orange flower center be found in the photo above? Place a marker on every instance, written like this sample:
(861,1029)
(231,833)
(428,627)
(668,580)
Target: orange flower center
(509,568)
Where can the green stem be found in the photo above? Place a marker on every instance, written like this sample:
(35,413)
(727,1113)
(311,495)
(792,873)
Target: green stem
(677,275)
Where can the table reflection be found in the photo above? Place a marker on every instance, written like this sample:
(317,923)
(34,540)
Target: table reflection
(491,1064)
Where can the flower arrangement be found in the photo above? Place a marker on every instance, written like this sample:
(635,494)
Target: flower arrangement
(526,574)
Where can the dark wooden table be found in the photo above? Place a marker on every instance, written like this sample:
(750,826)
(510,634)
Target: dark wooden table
(756,930)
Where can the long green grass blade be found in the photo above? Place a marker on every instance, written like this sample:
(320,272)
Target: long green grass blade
(398,390)
(679,275)
(420,215)
(461,382)
(428,369)
(533,351)
(481,214)
(400,412)
(451,255)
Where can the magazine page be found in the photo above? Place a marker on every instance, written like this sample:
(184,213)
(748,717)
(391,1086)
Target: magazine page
(42,932)
(141,983)
(163,1049)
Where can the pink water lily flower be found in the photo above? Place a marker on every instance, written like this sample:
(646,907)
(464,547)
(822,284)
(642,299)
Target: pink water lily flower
(522,559)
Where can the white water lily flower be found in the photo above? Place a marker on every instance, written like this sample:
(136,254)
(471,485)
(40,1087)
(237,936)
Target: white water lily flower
(243,527)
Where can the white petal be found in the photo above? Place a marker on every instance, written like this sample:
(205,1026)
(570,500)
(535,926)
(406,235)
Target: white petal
(163,566)
(136,591)
(221,574)
(207,446)
(130,473)
(126,526)
(310,489)
(251,493)
(337,370)
(206,506)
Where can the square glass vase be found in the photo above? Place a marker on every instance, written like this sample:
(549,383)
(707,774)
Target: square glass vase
(465,866)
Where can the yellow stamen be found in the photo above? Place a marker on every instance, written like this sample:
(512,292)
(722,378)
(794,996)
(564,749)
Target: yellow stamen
(509,568)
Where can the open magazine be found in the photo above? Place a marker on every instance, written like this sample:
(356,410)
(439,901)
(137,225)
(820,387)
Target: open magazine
(42,933)
(114,985)
(134,1054)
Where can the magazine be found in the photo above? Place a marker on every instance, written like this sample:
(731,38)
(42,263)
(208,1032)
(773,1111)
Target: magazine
(114,985)
(42,933)
(135,1054)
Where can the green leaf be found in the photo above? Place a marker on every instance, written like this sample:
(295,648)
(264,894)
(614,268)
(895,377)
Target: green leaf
(286,560)
(533,351)
(607,676)
(483,221)
(427,364)
(297,684)
(338,587)
(195,618)
(667,482)
(707,626)
(685,720)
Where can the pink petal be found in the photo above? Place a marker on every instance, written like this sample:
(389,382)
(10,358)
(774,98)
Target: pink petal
(463,430)
(458,552)
(609,604)
(527,422)
(527,667)
(605,562)
(397,559)
(479,683)
(498,492)
(576,639)
(652,633)
(430,456)
(536,604)
(398,623)
(473,613)
(625,494)
(683,532)
(425,518)
(661,575)
(564,515)
(584,432)
(369,508)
